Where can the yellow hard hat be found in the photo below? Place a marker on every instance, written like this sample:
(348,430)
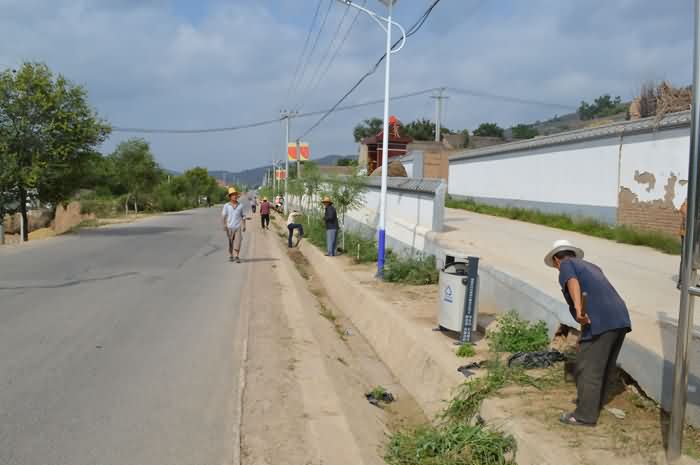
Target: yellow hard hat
(326,199)
(232,190)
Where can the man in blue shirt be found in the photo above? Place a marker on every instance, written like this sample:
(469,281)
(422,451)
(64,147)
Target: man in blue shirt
(604,320)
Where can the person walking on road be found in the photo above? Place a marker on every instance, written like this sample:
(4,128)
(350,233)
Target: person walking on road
(292,225)
(233,218)
(604,321)
(253,204)
(265,213)
(330,217)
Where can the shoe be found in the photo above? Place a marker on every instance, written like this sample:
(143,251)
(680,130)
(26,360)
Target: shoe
(238,260)
(230,258)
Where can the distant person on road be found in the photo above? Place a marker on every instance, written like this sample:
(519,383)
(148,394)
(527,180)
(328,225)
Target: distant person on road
(233,217)
(265,213)
(604,321)
(253,204)
(681,232)
(292,225)
(330,217)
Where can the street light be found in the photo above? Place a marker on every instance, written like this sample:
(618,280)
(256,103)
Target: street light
(385,24)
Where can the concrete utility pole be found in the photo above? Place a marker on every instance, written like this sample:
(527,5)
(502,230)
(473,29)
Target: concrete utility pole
(438,111)
(689,273)
(287,115)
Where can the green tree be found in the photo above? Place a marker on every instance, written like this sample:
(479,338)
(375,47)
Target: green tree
(200,184)
(601,107)
(347,162)
(137,172)
(368,128)
(423,129)
(524,131)
(48,133)
(346,193)
(489,130)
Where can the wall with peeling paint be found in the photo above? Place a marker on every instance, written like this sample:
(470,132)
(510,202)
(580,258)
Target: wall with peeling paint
(636,178)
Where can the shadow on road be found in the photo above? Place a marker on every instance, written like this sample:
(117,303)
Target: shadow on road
(128,231)
(255,260)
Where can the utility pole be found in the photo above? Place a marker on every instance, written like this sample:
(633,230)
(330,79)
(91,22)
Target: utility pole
(438,111)
(287,115)
(689,273)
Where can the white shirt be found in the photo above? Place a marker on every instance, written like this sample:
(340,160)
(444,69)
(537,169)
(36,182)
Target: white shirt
(234,215)
(290,218)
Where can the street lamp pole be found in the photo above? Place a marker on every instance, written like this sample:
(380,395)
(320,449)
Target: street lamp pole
(386,24)
(688,273)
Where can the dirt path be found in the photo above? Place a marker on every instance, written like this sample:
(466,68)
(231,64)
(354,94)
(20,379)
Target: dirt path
(307,372)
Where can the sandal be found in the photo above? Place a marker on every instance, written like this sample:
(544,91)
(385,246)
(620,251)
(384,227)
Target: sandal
(570,419)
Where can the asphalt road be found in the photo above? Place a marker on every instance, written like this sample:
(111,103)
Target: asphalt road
(118,345)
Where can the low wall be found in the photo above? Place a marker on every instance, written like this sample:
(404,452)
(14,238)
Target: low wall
(632,173)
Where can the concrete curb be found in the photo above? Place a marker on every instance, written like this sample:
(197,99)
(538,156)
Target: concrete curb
(428,373)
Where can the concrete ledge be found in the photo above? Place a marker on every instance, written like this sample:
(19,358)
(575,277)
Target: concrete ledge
(427,371)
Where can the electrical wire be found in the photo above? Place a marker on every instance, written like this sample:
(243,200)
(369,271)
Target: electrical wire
(262,123)
(316,74)
(304,67)
(411,31)
(505,98)
(305,48)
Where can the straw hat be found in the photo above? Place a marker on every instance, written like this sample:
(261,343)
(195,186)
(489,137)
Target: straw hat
(264,199)
(560,246)
(326,199)
(231,191)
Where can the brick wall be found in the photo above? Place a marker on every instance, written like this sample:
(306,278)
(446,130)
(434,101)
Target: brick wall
(650,216)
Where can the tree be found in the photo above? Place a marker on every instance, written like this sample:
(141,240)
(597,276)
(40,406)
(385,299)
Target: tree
(489,130)
(368,128)
(602,106)
(200,184)
(137,171)
(524,131)
(423,129)
(347,162)
(48,134)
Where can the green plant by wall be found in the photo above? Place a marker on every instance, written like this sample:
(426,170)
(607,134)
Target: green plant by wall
(517,335)
(623,234)
(466,350)
(420,270)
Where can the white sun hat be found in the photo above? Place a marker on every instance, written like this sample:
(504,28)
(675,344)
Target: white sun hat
(560,246)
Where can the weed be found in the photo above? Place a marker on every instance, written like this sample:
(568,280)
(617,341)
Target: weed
(420,270)
(327,313)
(85,224)
(466,350)
(456,444)
(378,392)
(517,335)
(623,234)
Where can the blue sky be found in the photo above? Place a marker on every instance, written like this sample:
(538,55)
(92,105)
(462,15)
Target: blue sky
(198,64)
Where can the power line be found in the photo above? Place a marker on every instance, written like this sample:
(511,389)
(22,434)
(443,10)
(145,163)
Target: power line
(261,123)
(411,31)
(505,98)
(337,50)
(292,85)
(315,44)
(314,77)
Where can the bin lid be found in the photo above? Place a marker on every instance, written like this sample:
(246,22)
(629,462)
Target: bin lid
(459,268)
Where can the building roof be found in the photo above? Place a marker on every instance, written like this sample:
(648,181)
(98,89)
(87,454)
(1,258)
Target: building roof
(670,121)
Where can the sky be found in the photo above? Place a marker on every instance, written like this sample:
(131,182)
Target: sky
(191,64)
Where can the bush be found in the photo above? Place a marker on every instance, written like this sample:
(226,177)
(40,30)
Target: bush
(466,350)
(100,207)
(421,270)
(517,335)
(622,234)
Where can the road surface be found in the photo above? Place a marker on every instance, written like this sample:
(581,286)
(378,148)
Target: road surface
(118,345)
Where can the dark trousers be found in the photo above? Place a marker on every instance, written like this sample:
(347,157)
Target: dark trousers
(596,367)
(291,228)
(265,220)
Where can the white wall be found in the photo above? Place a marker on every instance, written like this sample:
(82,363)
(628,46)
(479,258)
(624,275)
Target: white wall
(661,154)
(580,178)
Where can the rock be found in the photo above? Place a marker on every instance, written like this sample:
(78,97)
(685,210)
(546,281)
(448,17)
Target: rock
(396,170)
(616,412)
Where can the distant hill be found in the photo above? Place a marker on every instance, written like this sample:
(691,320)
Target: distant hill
(254,176)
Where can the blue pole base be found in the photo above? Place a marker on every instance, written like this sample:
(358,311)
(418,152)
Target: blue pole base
(381,249)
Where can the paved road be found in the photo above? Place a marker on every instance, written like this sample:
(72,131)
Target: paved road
(117,345)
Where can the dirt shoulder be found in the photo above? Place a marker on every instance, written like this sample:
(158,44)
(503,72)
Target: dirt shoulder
(397,321)
(307,371)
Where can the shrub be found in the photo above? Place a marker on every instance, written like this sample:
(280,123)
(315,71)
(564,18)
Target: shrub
(517,335)
(466,350)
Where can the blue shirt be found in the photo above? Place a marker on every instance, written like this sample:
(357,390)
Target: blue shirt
(234,216)
(603,305)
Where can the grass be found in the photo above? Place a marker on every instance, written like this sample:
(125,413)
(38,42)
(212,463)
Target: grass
(517,335)
(466,350)
(378,392)
(84,224)
(622,234)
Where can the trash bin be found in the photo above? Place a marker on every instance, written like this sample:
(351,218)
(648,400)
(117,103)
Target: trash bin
(452,295)
(458,295)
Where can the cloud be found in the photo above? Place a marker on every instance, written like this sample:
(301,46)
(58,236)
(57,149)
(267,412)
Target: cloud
(169,64)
